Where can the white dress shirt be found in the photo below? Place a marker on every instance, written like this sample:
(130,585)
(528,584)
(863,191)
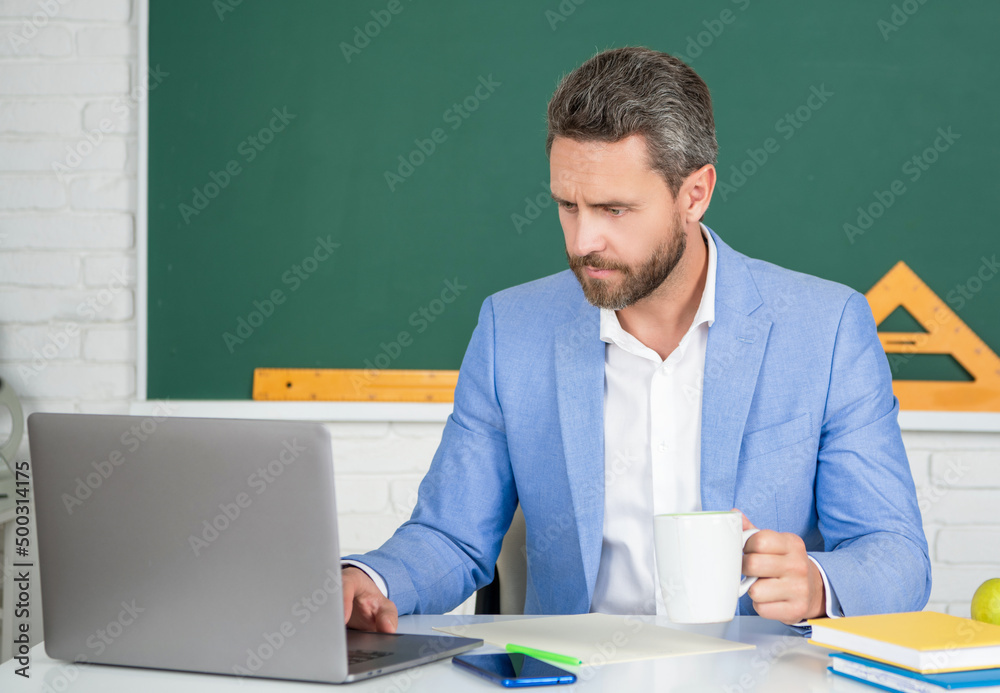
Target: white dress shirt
(652,452)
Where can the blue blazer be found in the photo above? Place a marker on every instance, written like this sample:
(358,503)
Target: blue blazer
(799,431)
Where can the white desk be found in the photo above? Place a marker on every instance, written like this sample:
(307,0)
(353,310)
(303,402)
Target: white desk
(783,662)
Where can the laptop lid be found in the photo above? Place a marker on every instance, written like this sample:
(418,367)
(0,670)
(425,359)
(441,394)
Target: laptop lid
(204,545)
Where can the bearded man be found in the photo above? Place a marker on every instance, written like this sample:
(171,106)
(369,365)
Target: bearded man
(663,373)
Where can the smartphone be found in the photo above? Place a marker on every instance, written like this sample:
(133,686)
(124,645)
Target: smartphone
(512,670)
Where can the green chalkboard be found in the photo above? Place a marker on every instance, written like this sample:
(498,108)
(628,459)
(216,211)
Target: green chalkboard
(340,184)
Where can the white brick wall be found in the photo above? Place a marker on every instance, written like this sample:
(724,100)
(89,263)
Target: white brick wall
(959,490)
(68,329)
(67,258)
(26,192)
(38,12)
(73,78)
(55,117)
(49,42)
(106,41)
(66,231)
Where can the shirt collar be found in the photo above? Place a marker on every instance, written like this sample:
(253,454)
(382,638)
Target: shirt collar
(613,333)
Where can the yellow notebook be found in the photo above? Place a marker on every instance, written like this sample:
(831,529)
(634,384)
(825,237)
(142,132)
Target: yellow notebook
(924,641)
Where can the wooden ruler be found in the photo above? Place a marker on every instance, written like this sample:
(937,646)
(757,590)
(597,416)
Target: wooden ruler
(353,385)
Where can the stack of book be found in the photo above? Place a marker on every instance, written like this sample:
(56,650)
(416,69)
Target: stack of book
(917,652)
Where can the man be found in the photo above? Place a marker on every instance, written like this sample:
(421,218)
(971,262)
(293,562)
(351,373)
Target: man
(665,373)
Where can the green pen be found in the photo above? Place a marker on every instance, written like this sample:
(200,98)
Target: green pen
(542,654)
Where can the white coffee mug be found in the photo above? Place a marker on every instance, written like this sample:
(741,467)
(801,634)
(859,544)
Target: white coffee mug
(699,557)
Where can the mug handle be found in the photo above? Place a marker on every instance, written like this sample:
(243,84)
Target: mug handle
(9,399)
(747,581)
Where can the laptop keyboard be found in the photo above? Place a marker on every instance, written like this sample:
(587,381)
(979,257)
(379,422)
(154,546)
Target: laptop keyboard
(359,656)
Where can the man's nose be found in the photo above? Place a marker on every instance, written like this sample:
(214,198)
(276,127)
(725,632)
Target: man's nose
(589,236)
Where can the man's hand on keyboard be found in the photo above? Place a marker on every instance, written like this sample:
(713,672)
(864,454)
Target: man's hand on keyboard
(364,606)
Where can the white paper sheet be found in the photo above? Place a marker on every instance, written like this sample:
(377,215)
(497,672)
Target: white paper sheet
(595,638)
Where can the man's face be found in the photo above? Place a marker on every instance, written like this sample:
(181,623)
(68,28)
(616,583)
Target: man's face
(624,234)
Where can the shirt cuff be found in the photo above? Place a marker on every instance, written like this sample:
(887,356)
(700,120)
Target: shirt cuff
(380,583)
(833,609)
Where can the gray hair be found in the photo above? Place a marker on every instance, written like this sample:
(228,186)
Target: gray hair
(627,91)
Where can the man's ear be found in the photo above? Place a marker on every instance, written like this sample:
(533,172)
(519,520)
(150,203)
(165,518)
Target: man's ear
(696,193)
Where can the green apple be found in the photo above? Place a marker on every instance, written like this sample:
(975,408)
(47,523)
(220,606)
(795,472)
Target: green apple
(986,602)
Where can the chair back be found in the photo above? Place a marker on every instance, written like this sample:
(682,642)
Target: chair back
(512,567)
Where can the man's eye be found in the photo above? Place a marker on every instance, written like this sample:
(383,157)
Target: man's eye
(569,206)
(615,211)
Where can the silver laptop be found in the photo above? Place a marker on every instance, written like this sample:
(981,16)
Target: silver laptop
(205,545)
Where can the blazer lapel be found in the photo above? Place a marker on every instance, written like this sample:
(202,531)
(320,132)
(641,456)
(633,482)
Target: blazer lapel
(579,354)
(736,344)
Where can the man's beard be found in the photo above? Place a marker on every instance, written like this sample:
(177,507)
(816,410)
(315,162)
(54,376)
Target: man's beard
(636,282)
